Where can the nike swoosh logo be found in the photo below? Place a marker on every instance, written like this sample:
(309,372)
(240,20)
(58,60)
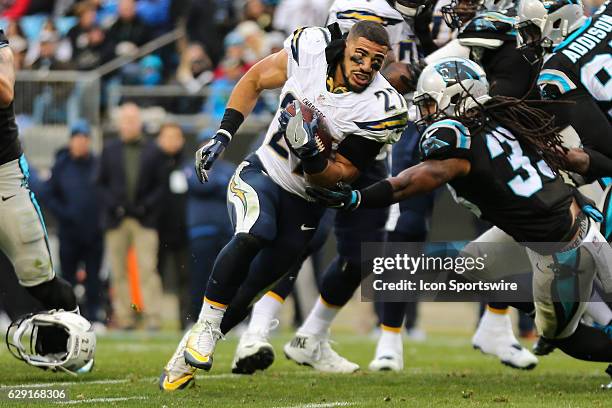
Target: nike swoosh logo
(8,198)
(303,227)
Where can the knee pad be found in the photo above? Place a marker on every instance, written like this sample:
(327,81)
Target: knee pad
(55,294)
(247,242)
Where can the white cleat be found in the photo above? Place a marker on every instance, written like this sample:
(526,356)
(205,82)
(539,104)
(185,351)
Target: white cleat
(253,353)
(201,342)
(387,362)
(177,374)
(316,352)
(498,339)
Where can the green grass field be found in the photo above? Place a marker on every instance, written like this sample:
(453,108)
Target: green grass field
(443,372)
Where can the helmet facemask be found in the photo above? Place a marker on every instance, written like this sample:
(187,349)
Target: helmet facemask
(409,9)
(459,12)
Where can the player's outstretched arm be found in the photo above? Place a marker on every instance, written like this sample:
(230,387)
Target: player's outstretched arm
(7,73)
(269,73)
(419,179)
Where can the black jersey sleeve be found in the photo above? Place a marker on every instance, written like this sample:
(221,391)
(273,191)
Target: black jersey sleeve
(446,139)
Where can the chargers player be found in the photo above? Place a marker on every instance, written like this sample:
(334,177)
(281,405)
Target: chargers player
(476,151)
(254,352)
(272,218)
(23,234)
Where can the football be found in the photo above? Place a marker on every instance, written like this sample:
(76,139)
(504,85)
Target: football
(323,135)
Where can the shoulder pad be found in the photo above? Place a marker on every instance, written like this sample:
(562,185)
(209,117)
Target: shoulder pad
(554,83)
(306,42)
(488,26)
(445,139)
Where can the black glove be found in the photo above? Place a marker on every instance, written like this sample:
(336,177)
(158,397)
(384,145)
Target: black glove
(299,135)
(341,197)
(207,154)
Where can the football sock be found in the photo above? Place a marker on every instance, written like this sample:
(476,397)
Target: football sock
(264,312)
(320,318)
(211,310)
(390,341)
(340,281)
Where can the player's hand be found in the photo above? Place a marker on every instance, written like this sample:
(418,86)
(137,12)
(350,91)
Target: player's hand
(207,154)
(300,135)
(342,196)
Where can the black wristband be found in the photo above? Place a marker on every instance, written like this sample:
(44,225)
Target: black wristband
(378,195)
(232,119)
(315,164)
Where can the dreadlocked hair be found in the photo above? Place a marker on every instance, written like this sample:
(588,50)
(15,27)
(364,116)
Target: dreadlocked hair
(528,123)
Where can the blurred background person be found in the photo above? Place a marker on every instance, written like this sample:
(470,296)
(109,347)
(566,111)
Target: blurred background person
(128,32)
(131,181)
(172,226)
(71,196)
(229,72)
(89,48)
(208,222)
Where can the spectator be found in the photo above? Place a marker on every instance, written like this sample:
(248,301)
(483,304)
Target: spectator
(221,88)
(88,47)
(151,68)
(154,13)
(256,45)
(47,59)
(194,71)
(128,32)
(18,44)
(173,243)
(132,186)
(70,194)
(202,28)
(208,223)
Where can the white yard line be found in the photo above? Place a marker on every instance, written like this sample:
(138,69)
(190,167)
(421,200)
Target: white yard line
(322,405)
(95,400)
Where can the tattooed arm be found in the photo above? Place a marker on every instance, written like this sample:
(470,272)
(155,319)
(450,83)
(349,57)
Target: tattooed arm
(7,75)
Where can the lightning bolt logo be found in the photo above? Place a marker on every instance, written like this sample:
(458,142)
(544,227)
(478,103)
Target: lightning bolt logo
(239,193)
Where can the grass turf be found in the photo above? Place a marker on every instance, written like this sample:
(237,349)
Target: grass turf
(442,372)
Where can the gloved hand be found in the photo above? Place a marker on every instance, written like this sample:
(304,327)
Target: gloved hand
(299,135)
(342,196)
(207,154)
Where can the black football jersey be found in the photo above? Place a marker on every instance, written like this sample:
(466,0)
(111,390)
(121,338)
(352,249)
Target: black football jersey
(491,38)
(582,63)
(510,185)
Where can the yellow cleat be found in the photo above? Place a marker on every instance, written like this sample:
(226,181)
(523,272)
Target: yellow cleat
(177,374)
(200,345)
(179,383)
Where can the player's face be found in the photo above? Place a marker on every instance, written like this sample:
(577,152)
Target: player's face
(466,9)
(362,60)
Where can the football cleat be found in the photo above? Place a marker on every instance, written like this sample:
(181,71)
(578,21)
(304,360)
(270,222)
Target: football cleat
(201,343)
(254,351)
(177,374)
(497,339)
(316,352)
(387,362)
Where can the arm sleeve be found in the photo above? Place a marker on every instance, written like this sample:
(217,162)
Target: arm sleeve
(360,151)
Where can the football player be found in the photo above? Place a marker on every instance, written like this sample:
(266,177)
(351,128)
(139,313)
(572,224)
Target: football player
(339,80)
(23,235)
(254,352)
(476,151)
(575,76)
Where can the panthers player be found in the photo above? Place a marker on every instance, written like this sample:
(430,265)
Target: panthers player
(576,72)
(254,351)
(339,80)
(23,235)
(475,151)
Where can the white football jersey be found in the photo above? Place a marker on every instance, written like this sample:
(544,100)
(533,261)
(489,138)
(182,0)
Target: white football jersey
(403,41)
(378,113)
